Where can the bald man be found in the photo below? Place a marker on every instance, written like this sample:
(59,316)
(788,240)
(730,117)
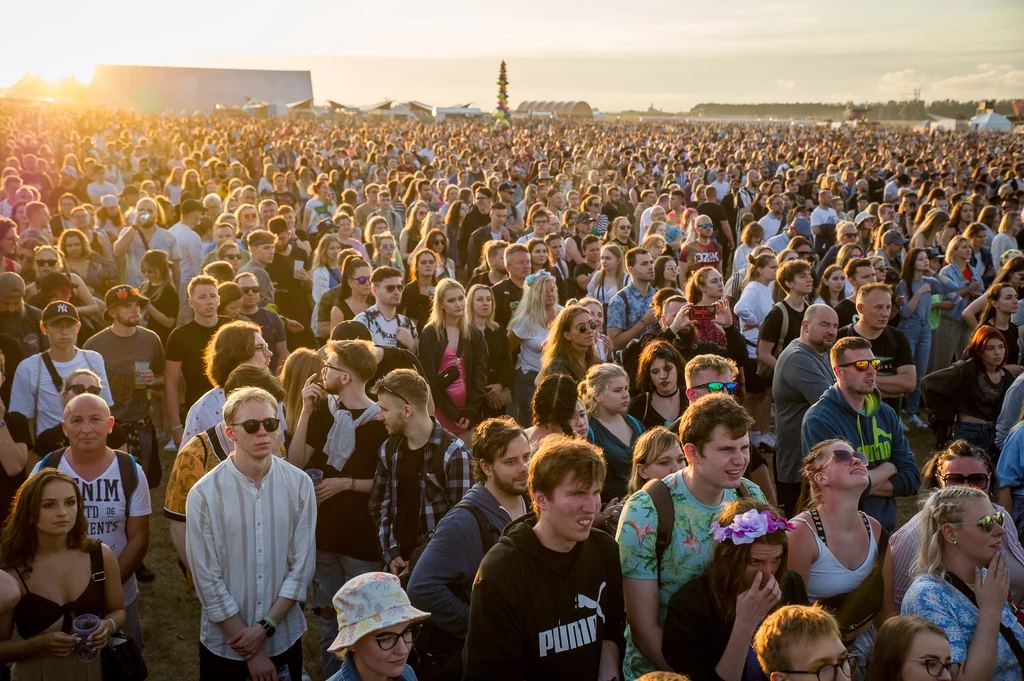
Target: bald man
(114,492)
(802,373)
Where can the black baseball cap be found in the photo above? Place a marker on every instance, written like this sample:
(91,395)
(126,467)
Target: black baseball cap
(506,187)
(60,309)
(191,206)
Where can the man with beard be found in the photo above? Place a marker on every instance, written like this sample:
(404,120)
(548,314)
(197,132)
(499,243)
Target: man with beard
(339,434)
(144,235)
(422,469)
(802,374)
(134,359)
(443,577)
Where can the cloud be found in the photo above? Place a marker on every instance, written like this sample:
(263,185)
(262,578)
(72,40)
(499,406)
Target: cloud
(989,80)
(785,85)
(899,83)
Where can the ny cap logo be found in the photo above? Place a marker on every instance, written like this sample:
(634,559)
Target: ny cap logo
(62,308)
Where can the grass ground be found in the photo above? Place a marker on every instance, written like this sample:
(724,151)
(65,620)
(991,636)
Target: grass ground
(170,617)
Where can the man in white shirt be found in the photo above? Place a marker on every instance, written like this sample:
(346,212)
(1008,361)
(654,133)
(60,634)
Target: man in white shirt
(12,183)
(39,380)
(99,187)
(189,242)
(114,492)
(823,223)
(250,529)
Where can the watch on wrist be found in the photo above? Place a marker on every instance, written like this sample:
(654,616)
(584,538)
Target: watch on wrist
(268,626)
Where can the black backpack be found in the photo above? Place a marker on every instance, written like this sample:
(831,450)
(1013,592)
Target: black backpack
(125,466)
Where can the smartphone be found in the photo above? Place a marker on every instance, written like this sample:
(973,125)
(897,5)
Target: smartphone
(702,312)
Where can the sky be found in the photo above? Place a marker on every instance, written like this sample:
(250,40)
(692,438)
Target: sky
(616,55)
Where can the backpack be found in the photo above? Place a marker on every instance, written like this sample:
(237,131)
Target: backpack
(765,372)
(662,498)
(125,467)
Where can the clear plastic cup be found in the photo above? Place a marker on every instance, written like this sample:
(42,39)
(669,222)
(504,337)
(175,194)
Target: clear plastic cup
(83,626)
(140,368)
(316,475)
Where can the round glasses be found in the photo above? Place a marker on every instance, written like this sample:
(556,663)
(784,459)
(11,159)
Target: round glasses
(252,426)
(935,668)
(582,328)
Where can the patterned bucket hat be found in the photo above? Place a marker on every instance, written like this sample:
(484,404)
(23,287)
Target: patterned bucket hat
(369,603)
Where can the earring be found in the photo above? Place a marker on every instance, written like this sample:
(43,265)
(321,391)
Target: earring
(956,543)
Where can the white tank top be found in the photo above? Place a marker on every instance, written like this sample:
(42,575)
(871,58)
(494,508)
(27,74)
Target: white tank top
(828,577)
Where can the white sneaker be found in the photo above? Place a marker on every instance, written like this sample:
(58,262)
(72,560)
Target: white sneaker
(905,427)
(916,422)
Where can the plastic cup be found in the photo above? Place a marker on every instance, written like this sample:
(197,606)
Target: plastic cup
(316,475)
(140,368)
(83,626)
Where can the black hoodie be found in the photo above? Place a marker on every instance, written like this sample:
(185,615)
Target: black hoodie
(541,614)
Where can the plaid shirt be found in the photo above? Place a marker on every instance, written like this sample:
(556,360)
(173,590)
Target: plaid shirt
(433,503)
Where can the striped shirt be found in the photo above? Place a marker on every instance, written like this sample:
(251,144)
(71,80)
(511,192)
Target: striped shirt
(247,545)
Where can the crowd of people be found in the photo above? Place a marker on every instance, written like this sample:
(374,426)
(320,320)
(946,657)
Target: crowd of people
(568,400)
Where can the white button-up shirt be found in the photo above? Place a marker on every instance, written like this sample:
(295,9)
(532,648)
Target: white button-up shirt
(247,545)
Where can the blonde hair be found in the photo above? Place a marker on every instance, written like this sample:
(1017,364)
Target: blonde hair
(810,493)
(648,448)
(531,310)
(473,290)
(620,271)
(242,396)
(597,380)
(954,244)
(436,319)
(944,507)
(299,366)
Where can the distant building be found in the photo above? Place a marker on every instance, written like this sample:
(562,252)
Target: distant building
(558,109)
(172,88)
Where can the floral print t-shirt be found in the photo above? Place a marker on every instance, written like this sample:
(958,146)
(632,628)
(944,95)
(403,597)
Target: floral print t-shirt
(686,557)
(941,603)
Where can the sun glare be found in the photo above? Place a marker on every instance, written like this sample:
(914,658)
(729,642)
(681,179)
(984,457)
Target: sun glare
(55,71)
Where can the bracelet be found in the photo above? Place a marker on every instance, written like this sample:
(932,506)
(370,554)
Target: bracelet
(177,427)
(270,619)
(113,624)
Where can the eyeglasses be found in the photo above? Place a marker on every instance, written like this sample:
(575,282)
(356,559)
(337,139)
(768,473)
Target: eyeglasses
(717,387)
(863,364)
(328,365)
(389,390)
(360,280)
(233,256)
(972,480)
(935,668)
(988,522)
(391,288)
(582,328)
(265,349)
(252,426)
(830,672)
(79,389)
(250,289)
(844,457)
(389,640)
(46,263)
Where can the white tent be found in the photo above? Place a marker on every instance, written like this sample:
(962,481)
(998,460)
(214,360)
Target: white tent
(991,121)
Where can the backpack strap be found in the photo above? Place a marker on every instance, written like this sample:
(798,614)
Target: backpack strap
(481,523)
(53,459)
(742,492)
(58,382)
(214,438)
(662,498)
(784,329)
(129,478)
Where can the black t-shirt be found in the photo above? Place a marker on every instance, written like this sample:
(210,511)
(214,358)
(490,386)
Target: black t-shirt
(771,329)
(343,521)
(407,517)
(1012,338)
(892,348)
(11,356)
(17,425)
(289,295)
(718,216)
(394,358)
(24,325)
(581,270)
(415,305)
(506,299)
(186,344)
(167,302)
(846,310)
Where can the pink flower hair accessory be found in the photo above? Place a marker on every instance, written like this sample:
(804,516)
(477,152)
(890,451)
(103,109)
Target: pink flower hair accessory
(747,527)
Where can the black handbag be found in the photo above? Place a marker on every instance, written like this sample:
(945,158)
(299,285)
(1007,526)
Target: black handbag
(122,659)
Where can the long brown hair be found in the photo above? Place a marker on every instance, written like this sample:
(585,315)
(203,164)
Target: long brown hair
(894,640)
(729,560)
(19,540)
(560,347)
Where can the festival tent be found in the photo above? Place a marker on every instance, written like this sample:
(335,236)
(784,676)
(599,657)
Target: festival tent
(991,121)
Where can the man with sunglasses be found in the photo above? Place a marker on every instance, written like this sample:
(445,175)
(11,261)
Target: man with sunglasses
(802,374)
(386,325)
(250,542)
(115,493)
(853,410)
(271,326)
(802,643)
(339,434)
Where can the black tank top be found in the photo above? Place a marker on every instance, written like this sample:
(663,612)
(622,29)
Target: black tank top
(34,614)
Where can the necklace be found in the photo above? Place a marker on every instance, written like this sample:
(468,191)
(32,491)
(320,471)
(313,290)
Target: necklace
(665,397)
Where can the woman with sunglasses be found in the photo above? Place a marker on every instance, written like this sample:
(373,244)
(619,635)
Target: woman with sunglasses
(161,315)
(959,464)
(835,548)
(602,343)
(76,383)
(911,649)
(966,398)
(418,296)
(376,629)
(437,242)
(49,260)
(659,379)
(557,411)
(711,621)
(963,584)
(325,266)
(353,294)
(385,251)
(570,347)
(454,357)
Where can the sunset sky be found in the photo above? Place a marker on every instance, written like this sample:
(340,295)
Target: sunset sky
(615,55)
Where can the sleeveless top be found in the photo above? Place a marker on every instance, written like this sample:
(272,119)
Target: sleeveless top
(35,614)
(828,577)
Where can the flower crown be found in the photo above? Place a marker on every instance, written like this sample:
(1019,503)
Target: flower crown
(535,276)
(749,526)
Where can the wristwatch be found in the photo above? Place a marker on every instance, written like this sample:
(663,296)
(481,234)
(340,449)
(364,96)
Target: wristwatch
(268,626)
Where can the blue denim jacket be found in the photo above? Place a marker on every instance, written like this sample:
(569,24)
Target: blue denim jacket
(348,672)
(959,302)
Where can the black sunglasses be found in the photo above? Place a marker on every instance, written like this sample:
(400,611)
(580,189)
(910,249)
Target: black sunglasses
(582,328)
(250,289)
(46,263)
(79,389)
(972,480)
(389,390)
(252,426)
